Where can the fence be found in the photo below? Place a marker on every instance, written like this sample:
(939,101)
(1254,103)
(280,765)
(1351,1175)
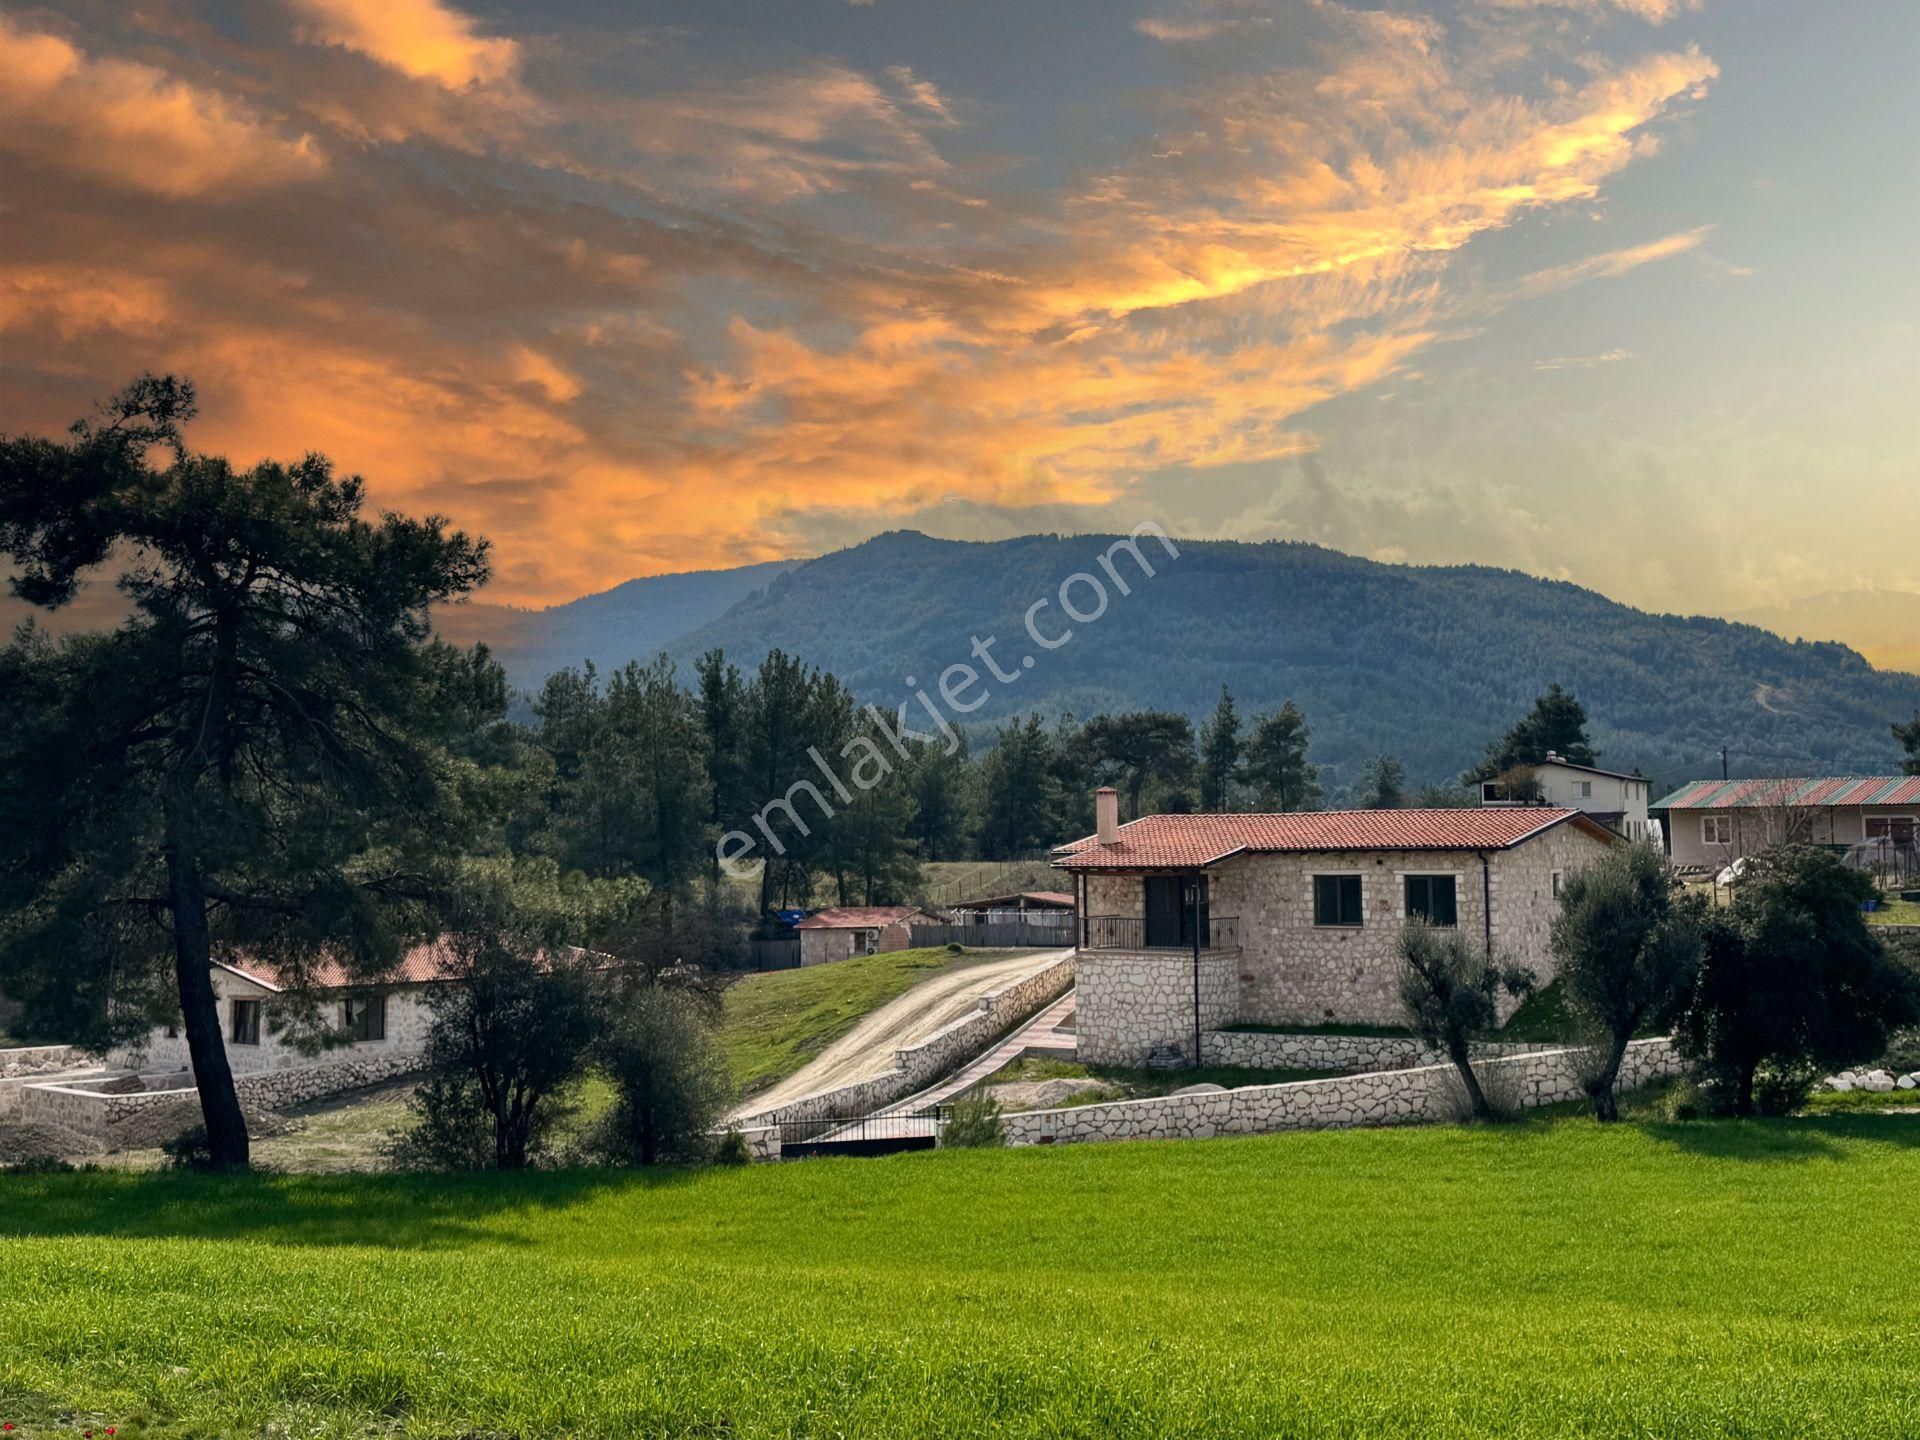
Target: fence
(1014,936)
(861,1134)
(773,954)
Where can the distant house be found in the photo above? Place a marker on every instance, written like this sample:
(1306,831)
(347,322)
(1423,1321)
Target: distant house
(382,1016)
(1711,823)
(858,930)
(1295,919)
(1032,908)
(1616,800)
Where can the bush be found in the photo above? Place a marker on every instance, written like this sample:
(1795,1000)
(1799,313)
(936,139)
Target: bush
(1903,1052)
(973,1124)
(1781,1087)
(189,1150)
(671,1084)
(732,1148)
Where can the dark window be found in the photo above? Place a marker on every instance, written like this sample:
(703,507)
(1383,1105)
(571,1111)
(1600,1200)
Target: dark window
(246,1023)
(366,1017)
(1430,898)
(1336,900)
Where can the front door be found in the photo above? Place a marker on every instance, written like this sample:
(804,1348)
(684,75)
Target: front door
(1171,903)
(1164,912)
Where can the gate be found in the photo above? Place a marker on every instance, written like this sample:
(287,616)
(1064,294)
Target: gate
(861,1135)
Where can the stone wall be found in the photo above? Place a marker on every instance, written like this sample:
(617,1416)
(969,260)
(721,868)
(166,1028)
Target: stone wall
(41,1060)
(147,1117)
(941,1053)
(1127,1005)
(408,1017)
(1268,1050)
(1388,1097)
(1903,940)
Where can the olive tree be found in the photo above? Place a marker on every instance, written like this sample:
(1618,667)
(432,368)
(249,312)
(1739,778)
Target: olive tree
(1449,990)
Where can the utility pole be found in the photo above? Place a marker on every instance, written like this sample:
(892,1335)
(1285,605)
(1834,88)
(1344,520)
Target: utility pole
(1196,972)
(1723,762)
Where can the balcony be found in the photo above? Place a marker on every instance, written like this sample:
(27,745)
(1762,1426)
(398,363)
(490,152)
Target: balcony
(1168,936)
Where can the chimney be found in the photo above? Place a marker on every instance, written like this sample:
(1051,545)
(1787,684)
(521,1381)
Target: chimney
(1106,815)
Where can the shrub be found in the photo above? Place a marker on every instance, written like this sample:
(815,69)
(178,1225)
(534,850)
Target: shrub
(732,1148)
(1903,1052)
(973,1124)
(1781,1087)
(189,1150)
(671,1084)
(505,1050)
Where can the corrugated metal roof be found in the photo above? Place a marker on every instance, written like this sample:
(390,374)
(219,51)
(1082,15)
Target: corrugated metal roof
(858,917)
(1822,791)
(1164,842)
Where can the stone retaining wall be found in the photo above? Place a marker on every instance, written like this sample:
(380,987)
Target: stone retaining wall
(941,1053)
(41,1060)
(1267,1050)
(1388,1097)
(148,1117)
(1129,1005)
(1901,939)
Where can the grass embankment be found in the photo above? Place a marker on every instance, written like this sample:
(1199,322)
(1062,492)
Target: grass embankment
(773,1024)
(1122,1083)
(1557,1279)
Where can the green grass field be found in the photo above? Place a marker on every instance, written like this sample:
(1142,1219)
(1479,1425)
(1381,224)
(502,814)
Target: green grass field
(1546,1279)
(773,1024)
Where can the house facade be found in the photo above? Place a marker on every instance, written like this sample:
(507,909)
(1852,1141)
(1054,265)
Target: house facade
(371,1019)
(1617,800)
(1712,823)
(839,934)
(1190,923)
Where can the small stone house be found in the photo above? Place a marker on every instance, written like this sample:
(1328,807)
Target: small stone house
(858,930)
(382,1018)
(1190,923)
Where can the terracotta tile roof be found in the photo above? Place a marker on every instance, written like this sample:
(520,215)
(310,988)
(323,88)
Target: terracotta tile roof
(1158,842)
(858,917)
(1822,791)
(421,965)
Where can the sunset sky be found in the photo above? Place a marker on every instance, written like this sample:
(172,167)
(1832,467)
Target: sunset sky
(1622,293)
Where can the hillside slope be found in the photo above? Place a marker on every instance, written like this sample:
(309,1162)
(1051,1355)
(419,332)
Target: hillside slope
(1426,663)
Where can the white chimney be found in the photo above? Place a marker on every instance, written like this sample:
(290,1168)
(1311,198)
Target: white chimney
(1106,815)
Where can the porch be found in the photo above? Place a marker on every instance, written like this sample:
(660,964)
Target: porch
(1160,936)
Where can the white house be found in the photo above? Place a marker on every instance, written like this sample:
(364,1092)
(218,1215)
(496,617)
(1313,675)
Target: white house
(1616,800)
(1711,823)
(1193,922)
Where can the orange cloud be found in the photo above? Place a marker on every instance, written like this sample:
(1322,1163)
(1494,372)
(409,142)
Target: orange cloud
(135,126)
(420,38)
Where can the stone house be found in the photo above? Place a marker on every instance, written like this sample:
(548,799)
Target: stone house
(838,934)
(1712,823)
(1190,923)
(380,1018)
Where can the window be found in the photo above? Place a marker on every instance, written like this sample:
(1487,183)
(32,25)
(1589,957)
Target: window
(1336,900)
(1559,879)
(1716,829)
(1894,829)
(365,1017)
(1586,789)
(1431,898)
(245,1029)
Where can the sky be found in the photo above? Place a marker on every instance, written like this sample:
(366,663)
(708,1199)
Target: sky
(1614,291)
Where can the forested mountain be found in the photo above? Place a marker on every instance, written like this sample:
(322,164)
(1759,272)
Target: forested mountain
(632,621)
(1424,663)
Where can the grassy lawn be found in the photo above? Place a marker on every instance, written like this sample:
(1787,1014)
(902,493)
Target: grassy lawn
(1546,1279)
(773,1024)
(1896,912)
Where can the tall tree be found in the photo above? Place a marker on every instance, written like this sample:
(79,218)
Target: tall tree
(240,762)
(1139,746)
(1383,785)
(1628,939)
(1220,754)
(942,784)
(723,716)
(1276,763)
(1909,737)
(1557,722)
(1017,791)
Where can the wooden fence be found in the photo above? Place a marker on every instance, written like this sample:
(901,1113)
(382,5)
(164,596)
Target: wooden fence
(1014,936)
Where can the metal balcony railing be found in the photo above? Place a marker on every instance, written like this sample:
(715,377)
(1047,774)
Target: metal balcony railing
(1131,932)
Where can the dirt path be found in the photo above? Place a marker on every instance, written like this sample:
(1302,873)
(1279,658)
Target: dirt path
(868,1048)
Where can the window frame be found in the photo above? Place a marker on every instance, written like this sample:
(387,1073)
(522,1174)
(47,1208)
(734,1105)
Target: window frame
(1340,878)
(1716,830)
(1407,912)
(1559,883)
(372,1018)
(1888,822)
(248,1034)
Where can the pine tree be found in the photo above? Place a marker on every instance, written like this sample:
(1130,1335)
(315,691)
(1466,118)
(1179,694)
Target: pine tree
(1909,737)
(1383,785)
(1557,723)
(1220,755)
(1276,762)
